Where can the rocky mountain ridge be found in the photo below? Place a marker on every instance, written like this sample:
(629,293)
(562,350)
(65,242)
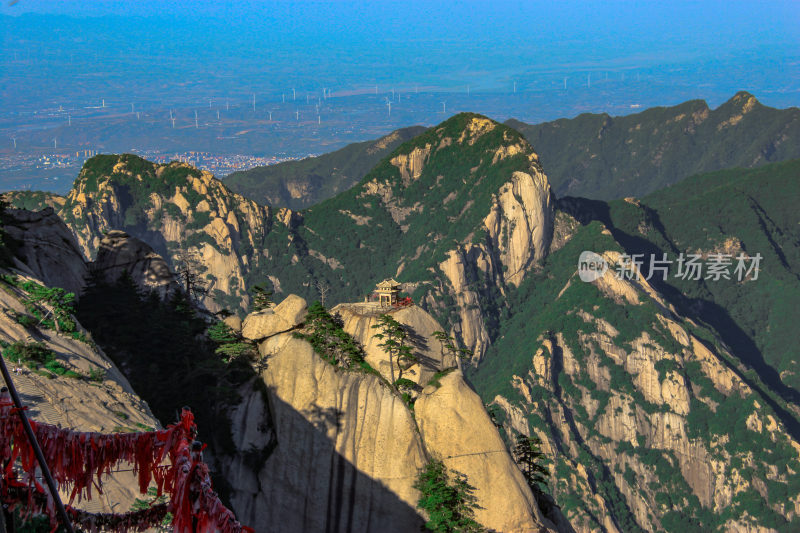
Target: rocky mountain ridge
(603,157)
(301,184)
(650,423)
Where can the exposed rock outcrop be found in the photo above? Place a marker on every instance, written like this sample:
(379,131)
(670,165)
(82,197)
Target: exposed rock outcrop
(279,319)
(360,321)
(342,449)
(172,207)
(119,254)
(646,414)
(46,249)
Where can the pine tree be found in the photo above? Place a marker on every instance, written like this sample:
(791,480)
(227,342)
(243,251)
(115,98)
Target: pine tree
(528,456)
(262,297)
(449,345)
(394,336)
(449,503)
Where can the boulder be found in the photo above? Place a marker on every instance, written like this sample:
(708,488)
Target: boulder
(285,316)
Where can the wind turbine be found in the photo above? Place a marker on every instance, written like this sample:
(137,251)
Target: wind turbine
(104,102)
(254,101)
(173,122)
(565,84)
(467,90)
(227,105)
(55,143)
(319,119)
(14,139)
(217,114)
(283,98)
(515,87)
(195,119)
(297,115)
(137,115)
(294,95)
(132,110)
(69,119)
(389,103)
(589,81)
(444,108)
(306,98)
(270,116)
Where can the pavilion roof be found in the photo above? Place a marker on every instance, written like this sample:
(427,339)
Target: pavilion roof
(390,283)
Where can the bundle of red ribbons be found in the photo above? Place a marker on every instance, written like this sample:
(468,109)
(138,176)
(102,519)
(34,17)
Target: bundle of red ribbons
(78,460)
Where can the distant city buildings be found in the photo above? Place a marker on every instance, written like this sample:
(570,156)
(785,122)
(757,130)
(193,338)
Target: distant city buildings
(218,164)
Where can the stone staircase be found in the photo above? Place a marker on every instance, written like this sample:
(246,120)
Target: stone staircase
(41,409)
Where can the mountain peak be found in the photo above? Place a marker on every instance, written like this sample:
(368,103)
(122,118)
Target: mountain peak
(742,101)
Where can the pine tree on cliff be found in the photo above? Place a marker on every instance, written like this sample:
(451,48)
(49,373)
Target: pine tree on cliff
(262,297)
(394,336)
(449,503)
(528,456)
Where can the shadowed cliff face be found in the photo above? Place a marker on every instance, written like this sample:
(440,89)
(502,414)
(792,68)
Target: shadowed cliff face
(45,248)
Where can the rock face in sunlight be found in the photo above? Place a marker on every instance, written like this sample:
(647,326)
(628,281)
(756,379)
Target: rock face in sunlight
(175,209)
(344,448)
(645,418)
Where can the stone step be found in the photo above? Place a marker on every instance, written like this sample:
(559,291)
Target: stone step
(39,407)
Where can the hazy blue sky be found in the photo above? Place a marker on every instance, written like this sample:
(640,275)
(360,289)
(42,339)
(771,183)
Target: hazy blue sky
(607,24)
(710,49)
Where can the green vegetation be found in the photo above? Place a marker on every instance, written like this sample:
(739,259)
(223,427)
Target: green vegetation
(261,299)
(439,375)
(152,499)
(529,457)
(450,346)
(322,177)
(229,345)
(52,307)
(395,342)
(330,341)
(598,156)
(36,356)
(736,211)
(448,499)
